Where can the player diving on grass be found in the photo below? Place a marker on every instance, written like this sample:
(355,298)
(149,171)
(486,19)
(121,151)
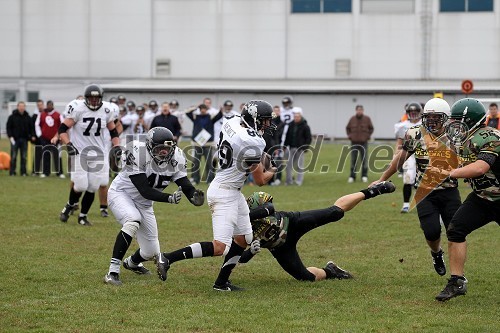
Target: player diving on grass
(280,231)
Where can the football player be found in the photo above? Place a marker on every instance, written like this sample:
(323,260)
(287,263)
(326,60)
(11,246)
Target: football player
(240,150)
(437,197)
(478,149)
(413,111)
(279,231)
(88,118)
(148,169)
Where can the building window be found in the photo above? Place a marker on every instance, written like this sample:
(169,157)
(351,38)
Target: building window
(321,6)
(466,6)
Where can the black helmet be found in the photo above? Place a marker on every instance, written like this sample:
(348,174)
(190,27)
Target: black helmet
(139,109)
(258,115)
(174,102)
(93,97)
(413,110)
(160,144)
(287,101)
(153,104)
(113,100)
(130,104)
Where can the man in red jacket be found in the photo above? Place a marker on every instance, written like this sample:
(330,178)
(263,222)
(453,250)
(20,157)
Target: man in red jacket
(359,129)
(46,126)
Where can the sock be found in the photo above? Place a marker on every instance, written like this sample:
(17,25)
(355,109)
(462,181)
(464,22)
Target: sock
(457,277)
(406,193)
(196,250)
(369,193)
(88,199)
(103,207)
(406,205)
(136,258)
(122,244)
(230,262)
(74,197)
(114,266)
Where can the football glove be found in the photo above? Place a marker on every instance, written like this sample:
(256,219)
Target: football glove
(175,197)
(72,151)
(198,198)
(255,246)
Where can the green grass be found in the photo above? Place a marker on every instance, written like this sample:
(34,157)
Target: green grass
(51,275)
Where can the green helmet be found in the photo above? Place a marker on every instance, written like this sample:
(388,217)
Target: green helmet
(467,115)
(258,198)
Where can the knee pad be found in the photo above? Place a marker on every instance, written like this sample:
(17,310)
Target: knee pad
(130,228)
(80,187)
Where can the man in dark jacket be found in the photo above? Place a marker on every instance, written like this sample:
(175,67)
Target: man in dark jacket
(359,129)
(298,138)
(203,141)
(167,120)
(20,130)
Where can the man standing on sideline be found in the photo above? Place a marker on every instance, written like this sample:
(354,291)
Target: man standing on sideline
(359,130)
(46,127)
(40,106)
(20,130)
(168,120)
(203,141)
(298,138)
(478,149)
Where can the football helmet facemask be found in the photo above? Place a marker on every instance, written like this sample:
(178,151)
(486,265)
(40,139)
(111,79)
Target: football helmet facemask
(160,144)
(413,110)
(467,115)
(258,115)
(258,199)
(93,97)
(435,115)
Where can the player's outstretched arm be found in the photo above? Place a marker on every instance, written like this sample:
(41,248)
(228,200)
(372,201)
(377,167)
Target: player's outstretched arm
(195,196)
(396,163)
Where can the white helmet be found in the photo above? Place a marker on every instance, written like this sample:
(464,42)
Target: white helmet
(435,115)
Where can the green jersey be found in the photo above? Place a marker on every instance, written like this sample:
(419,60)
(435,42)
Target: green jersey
(432,150)
(483,144)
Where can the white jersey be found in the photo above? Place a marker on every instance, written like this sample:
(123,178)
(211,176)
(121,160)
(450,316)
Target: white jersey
(149,115)
(129,120)
(236,145)
(136,160)
(218,123)
(286,117)
(90,126)
(401,128)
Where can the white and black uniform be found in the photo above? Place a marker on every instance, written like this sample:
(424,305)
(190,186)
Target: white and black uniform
(410,165)
(286,116)
(218,124)
(126,201)
(90,167)
(238,148)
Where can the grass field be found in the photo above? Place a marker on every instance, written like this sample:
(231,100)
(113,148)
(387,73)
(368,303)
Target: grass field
(51,274)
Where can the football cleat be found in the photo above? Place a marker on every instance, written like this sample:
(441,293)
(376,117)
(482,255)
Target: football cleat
(104,212)
(228,286)
(405,210)
(162,266)
(112,278)
(455,287)
(437,260)
(139,269)
(350,180)
(64,216)
(82,220)
(337,272)
(381,188)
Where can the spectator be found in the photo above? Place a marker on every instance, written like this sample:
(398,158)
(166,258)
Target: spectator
(211,110)
(359,130)
(167,120)
(150,114)
(297,140)
(40,107)
(273,145)
(203,141)
(20,130)
(46,128)
(493,118)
